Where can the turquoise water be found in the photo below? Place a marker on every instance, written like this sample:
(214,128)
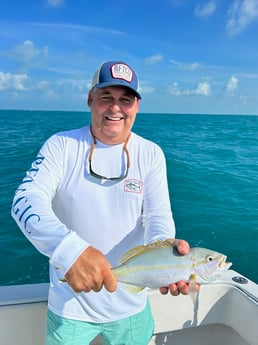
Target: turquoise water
(212,164)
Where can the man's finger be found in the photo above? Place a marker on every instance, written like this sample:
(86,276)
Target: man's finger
(173,290)
(183,287)
(182,247)
(163,290)
(110,282)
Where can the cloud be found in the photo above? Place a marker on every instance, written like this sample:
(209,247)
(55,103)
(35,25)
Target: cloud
(29,54)
(147,89)
(232,85)
(42,86)
(202,89)
(186,66)
(205,10)
(54,3)
(151,60)
(241,14)
(10,81)
(249,75)
(83,29)
(174,90)
(71,85)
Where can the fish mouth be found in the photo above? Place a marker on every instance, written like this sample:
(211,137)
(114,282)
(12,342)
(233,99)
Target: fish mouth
(223,264)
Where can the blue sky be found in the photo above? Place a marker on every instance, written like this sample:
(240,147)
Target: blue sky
(191,56)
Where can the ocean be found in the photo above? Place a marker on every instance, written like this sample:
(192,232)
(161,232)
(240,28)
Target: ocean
(212,167)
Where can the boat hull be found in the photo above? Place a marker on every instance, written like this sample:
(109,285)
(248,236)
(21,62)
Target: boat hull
(224,313)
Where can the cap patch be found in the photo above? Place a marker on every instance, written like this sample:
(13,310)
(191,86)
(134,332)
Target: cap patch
(122,71)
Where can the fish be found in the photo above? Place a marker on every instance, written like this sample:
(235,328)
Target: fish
(159,264)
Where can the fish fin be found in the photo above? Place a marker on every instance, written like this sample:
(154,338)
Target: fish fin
(171,242)
(133,289)
(135,251)
(192,287)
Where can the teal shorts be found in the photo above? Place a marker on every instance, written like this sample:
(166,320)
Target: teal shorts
(134,330)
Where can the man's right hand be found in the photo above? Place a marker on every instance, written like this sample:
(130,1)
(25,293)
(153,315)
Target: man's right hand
(91,271)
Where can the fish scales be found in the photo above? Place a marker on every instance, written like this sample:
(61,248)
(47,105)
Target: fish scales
(159,264)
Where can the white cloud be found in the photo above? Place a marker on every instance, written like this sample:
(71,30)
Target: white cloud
(147,89)
(174,90)
(10,81)
(249,75)
(205,10)
(42,85)
(54,3)
(190,66)
(232,85)
(151,60)
(29,54)
(241,14)
(186,66)
(71,85)
(202,89)
(83,29)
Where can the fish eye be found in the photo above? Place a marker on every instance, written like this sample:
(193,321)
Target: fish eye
(209,258)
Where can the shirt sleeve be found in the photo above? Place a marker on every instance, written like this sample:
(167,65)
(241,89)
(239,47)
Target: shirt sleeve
(157,215)
(32,207)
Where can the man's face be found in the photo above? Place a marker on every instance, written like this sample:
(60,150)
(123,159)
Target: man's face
(113,112)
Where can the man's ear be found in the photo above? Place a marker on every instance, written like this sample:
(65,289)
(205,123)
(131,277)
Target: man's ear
(89,102)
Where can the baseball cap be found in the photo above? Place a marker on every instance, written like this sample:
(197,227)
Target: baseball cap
(112,73)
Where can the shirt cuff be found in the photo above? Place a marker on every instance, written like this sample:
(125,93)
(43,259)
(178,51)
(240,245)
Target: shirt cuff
(68,251)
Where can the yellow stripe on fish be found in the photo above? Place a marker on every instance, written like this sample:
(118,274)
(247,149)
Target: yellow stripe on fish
(159,264)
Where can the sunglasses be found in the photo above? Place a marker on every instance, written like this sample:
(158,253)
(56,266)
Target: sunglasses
(98,176)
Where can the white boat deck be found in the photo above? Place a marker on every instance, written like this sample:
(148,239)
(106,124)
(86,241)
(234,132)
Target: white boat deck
(225,313)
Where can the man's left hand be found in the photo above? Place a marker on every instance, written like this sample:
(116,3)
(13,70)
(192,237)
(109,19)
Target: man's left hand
(180,287)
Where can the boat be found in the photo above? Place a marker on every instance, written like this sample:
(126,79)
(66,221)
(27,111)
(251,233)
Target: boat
(225,313)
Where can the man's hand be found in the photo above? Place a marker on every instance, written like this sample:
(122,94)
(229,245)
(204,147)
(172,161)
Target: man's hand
(181,286)
(91,271)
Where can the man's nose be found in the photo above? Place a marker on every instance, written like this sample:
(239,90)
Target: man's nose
(115,106)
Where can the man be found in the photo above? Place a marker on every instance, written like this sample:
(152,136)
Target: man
(90,195)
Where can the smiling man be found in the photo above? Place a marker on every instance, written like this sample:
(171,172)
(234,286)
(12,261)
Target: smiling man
(113,109)
(91,194)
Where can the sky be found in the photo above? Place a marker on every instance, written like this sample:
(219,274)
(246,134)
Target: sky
(191,56)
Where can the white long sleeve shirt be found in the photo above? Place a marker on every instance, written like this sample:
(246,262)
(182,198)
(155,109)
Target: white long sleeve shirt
(62,210)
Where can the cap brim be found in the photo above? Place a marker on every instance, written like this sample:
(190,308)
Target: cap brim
(115,83)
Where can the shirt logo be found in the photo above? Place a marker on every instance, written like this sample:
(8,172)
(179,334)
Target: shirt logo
(133,186)
(122,71)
